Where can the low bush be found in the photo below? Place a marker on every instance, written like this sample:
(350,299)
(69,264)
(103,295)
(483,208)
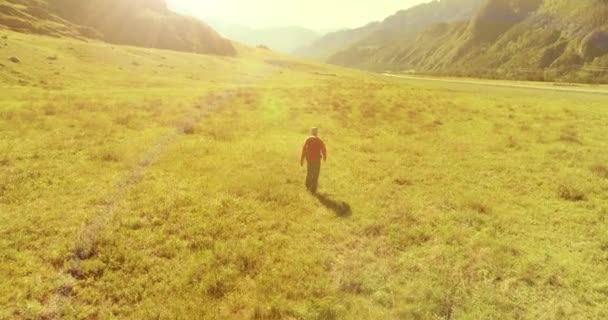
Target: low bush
(571,193)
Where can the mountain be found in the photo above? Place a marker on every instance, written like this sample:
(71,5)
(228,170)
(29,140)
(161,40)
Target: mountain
(402,26)
(331,43)
(283,39)
(518,39)
(144,23)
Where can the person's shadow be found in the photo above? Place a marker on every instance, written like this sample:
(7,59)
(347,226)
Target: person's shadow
(341,208)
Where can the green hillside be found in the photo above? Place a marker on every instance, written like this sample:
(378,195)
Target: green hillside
(333,42)
(33,16)
(516,39)
(145,23)
(400,27)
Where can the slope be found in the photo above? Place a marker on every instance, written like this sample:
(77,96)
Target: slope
(329,44)
(518,39)
(146,23)
(34,16)
(400,27)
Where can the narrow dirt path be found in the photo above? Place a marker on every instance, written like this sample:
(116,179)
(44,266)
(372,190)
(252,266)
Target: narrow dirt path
(88,236)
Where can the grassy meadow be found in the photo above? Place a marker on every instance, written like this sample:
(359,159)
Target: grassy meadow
(149,184)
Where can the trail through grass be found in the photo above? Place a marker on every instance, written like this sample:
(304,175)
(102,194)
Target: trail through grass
(439,200)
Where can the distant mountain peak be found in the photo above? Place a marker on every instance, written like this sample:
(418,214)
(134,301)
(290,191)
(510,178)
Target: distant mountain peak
(284,38)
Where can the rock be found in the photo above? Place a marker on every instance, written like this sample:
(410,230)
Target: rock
(14,60)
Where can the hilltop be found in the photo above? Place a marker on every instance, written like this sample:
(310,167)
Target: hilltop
(144,23)
(512,39)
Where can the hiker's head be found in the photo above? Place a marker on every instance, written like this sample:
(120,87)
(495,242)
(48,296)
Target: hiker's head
(314,131)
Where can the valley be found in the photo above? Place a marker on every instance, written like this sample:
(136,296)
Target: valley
(145,181)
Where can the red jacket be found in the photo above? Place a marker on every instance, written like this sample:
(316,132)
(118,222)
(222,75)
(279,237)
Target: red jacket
(314,149)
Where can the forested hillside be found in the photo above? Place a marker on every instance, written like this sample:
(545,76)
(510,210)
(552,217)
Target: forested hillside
(145,23)
(400,27)
(331,43)
(553,40)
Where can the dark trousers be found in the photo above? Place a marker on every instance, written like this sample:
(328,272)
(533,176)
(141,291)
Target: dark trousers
(312,175)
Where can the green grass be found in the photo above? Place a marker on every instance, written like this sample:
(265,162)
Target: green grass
(176,192)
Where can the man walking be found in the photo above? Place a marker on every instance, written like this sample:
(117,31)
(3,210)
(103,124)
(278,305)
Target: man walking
(313,151)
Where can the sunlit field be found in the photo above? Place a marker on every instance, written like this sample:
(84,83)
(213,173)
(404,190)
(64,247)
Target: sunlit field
(148,184)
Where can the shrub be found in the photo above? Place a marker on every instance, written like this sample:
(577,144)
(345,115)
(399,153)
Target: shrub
(217,290)
(479,207)
(600,171)
(569,135)
(328,313)
(49,110)
(403,182)
(571,193)
(374,230)
(187,127)
(110,156)
(124,120)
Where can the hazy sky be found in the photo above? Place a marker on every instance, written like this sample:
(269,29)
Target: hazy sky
(315,14)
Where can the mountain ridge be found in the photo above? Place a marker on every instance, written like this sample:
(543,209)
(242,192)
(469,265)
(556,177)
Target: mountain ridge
(144,23)
(403,24)
(552,40)
(284,39)
(324,47)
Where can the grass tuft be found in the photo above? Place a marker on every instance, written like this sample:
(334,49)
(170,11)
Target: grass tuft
(111,155)
(217,290)
(124,120)
(374,230)
(352,286)
(570,136)
(571,193)
(479,207)
(403,182)
(50,110)
(187,127)
(600,170)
